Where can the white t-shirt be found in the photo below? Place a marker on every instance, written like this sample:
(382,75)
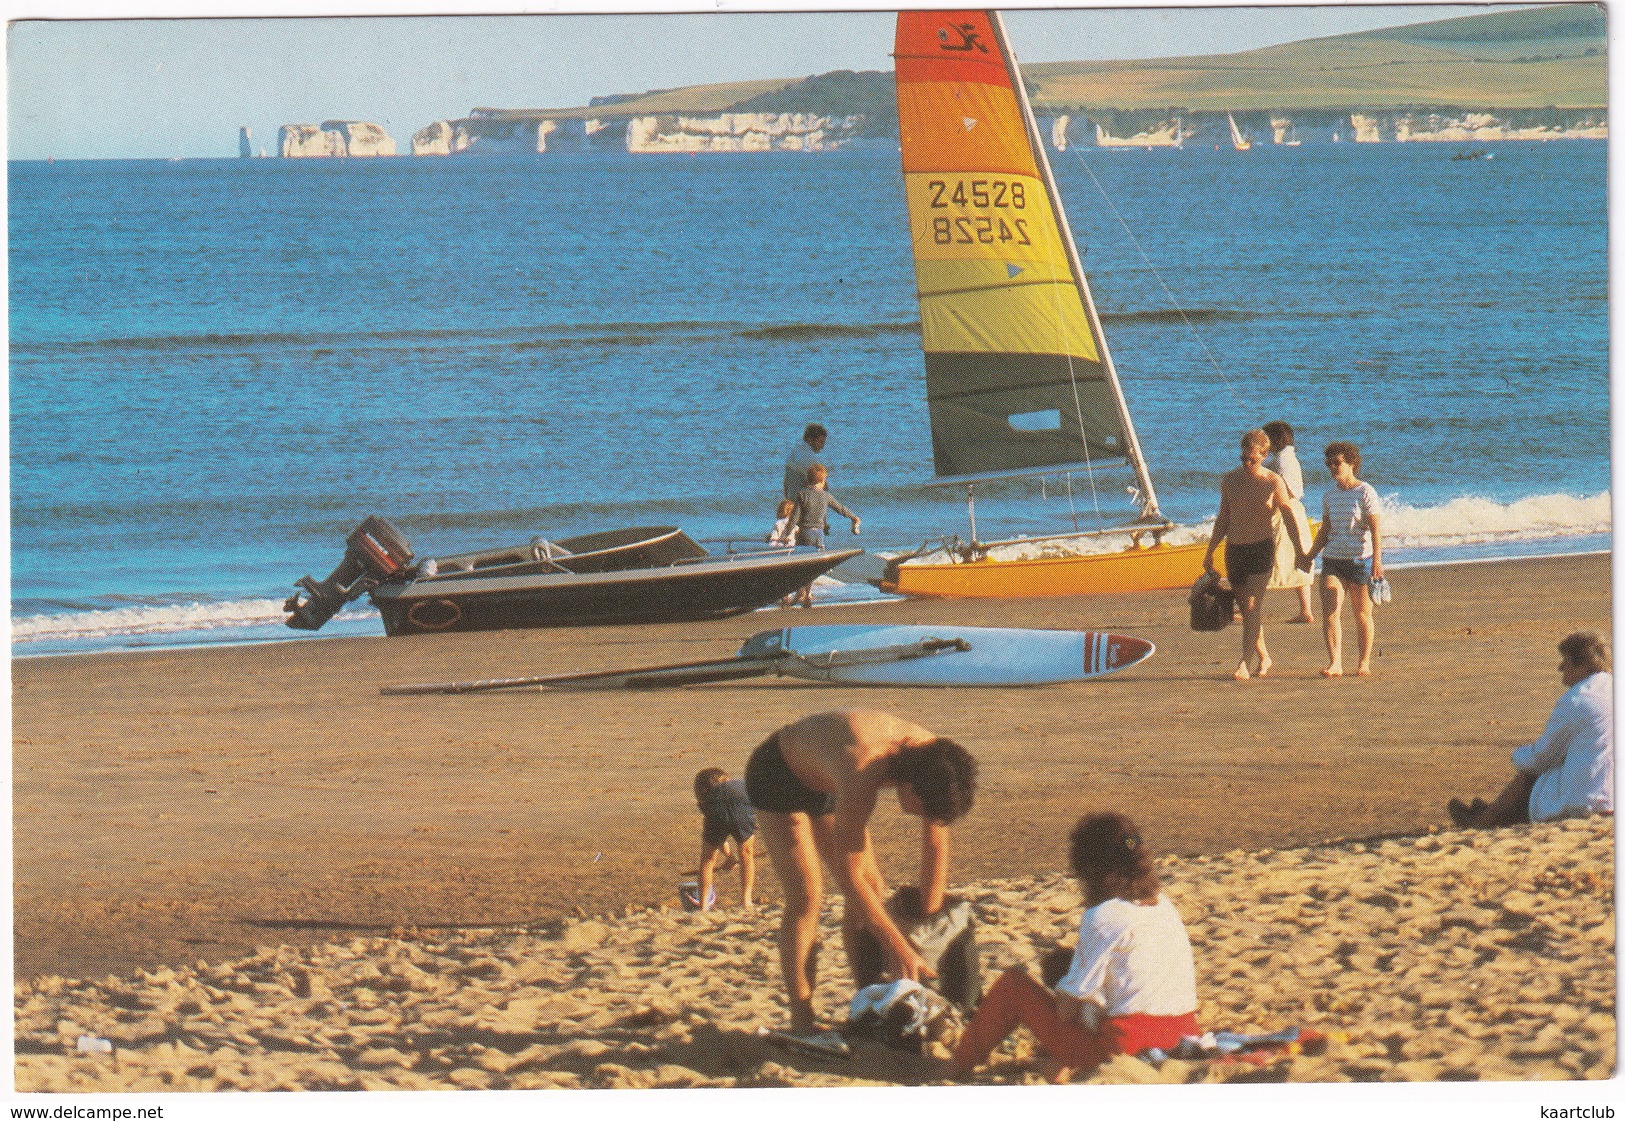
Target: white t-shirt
(1347,515)
(1133,958)
(1285,464)
(1574,757)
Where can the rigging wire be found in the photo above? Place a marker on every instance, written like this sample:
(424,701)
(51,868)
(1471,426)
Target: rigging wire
(1041,159)
(1077,154)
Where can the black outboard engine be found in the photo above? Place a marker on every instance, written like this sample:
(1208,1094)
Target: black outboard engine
(374,553)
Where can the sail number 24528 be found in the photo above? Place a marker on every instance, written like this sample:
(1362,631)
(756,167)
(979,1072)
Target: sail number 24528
(978,194)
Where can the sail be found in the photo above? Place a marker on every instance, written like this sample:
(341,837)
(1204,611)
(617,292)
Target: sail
(1238,139)
(1017,372)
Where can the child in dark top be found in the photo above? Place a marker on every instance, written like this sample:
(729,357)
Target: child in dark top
(728,816)
(810,517)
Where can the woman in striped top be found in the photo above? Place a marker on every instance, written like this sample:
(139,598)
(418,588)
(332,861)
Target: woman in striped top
(1351,538)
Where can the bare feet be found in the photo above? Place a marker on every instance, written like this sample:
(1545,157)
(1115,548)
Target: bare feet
(1264,664)
(1242,673)
(1332,671)
(1463,815)
(1363,671)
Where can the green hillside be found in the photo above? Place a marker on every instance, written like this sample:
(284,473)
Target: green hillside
(1525,59)
(1551,57)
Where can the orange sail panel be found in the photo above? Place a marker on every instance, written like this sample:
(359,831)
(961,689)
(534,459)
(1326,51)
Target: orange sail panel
(1015,374)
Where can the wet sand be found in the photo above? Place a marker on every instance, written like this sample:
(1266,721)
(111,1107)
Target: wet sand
(178,806)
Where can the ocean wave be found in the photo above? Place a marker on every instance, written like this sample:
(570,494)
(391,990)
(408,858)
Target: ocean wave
(802,332)
(174,618)
(533,334)
(1178,315)
(1483,521)
(1465,521)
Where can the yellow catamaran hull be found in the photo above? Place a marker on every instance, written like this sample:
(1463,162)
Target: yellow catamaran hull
(1149,569)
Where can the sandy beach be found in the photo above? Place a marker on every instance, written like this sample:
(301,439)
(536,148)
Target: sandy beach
(177,807)
(1449,957)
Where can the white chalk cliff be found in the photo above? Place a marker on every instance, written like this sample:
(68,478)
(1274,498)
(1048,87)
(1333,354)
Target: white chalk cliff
(489,133)
(332,139)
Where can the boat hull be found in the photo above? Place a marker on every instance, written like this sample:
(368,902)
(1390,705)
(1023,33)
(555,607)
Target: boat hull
(702,589)
(1149,569)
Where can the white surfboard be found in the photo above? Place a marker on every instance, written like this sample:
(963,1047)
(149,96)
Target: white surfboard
(862,655)
(859,654)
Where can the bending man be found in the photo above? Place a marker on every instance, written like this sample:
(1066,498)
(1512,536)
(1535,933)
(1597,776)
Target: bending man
(814,784)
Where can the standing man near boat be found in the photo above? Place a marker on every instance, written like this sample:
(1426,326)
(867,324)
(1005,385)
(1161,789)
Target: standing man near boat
(1250,499)
(802,456)
(814,784)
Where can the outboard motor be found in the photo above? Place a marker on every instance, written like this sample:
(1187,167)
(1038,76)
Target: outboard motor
(375,553)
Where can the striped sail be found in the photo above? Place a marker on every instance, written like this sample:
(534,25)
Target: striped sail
(1018,377)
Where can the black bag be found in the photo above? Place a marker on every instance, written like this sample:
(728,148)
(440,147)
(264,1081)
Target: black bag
(946,940)
(1213,604)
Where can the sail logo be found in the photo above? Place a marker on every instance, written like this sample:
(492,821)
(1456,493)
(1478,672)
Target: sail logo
(970,39)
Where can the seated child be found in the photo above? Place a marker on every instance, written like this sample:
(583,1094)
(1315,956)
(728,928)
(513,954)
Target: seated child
(728,816)
(1132,980)
(783,533)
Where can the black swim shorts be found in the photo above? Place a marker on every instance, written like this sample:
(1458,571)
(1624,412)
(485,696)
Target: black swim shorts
(1242,561)
(774,787)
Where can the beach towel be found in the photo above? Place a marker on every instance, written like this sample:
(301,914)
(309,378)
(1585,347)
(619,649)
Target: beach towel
(1212,603)
(901,1014)
(1233,1047)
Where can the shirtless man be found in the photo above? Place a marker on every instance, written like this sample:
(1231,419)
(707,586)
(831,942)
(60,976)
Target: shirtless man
(814,784)
(1250,497)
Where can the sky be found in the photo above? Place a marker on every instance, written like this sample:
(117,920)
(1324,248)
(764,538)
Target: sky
(142,87)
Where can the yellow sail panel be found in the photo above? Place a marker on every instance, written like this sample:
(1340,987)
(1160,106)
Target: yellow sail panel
(1007,320)
(1014,370)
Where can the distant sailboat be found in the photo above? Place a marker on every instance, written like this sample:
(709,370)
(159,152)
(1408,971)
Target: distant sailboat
(1238,139)
(1018,380)
(1057,134)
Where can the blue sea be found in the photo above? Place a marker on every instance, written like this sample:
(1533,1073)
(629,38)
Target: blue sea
(219,367)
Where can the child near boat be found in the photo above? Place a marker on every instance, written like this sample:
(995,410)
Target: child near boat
(1350,538)
(1132,979)
(810,516)
(783,533)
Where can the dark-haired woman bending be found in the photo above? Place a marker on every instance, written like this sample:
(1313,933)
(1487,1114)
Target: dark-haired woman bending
(1132,981)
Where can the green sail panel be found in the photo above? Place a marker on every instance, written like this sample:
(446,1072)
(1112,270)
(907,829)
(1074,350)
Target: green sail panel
(992,413)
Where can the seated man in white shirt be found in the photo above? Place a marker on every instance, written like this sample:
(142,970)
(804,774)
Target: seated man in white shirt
(1569,771)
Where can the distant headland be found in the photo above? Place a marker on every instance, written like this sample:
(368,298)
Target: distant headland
(1535,74)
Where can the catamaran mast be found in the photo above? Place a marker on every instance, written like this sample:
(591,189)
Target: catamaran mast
(1136,458)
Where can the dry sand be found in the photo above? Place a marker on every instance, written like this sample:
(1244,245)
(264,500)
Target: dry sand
(172,806)
(1456,956)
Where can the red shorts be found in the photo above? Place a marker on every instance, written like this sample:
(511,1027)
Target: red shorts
(1016,998)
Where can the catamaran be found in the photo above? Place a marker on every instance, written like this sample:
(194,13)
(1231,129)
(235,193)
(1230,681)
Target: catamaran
(1019,382)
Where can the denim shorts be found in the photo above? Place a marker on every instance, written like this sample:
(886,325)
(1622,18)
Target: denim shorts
(1357,571)
(810,535)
